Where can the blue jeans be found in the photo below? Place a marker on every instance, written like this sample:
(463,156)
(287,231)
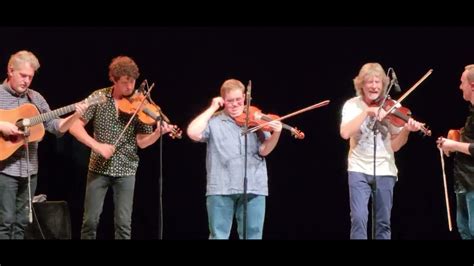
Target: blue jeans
(14,206)
(222,208)
(96,189)
(360,188)
(465,214)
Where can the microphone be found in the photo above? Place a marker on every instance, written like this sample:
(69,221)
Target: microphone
(249,91)
(247,104)
(165,118)
(153,115)
(156,115)
(396,86)
(142,86)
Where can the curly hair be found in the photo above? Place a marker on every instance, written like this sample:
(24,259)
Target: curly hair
(123,66)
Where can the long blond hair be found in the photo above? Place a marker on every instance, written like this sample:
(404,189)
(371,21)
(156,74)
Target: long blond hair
(370,70)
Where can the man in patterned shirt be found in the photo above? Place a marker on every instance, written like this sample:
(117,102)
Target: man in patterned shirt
(14,170)
(109,165)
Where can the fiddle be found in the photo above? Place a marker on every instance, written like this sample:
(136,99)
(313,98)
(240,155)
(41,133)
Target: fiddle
(256,118)
(454,134)
(147,111)
(398,115)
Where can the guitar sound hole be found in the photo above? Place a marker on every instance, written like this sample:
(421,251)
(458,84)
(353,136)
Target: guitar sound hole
(13,138)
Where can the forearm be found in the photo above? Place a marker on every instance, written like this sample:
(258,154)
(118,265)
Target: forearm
(400,140)
(145,140)
(350,128)
(198,125)
(463,147)
(269,144)
(79,132)
(66,123)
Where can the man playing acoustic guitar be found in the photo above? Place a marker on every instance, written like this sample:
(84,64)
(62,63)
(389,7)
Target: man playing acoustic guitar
(16,170)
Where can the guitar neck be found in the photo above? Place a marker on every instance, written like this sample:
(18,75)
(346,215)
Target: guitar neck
(50,115)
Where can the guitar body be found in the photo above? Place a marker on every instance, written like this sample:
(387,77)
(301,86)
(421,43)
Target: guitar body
(9,144)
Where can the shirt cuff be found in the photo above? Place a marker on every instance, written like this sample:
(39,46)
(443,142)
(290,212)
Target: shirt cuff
(471,149)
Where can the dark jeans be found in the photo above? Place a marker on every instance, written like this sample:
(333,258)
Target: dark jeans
(14,207)
(96,189)
(360,188)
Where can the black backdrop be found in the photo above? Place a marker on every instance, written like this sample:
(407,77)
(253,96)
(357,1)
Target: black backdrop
(290,68)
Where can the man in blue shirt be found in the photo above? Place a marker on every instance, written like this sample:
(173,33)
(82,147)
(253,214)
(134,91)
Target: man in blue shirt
(225,163)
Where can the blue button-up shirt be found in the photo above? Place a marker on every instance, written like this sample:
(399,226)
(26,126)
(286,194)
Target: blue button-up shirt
(225,158)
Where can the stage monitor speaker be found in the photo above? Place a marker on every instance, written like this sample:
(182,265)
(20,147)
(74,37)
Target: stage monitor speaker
(51,220)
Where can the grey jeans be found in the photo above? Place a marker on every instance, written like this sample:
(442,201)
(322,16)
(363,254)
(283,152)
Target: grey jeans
(96,189)
(14,207)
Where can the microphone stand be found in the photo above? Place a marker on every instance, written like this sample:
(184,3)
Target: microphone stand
(161,118)
(26,134)
(376,130)
(160,178)
(246,126)
(31,211)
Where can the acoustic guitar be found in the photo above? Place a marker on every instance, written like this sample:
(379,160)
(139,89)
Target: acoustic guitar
(28,117)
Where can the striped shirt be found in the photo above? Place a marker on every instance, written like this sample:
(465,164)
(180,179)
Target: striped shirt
(16,164)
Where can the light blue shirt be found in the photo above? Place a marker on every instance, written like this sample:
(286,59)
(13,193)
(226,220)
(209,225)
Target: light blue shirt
(225,158)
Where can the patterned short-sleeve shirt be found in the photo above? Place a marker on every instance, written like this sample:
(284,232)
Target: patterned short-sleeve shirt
(108,124)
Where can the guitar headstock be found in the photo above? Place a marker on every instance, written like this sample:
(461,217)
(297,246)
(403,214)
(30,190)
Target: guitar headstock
(96,98)
(298,134)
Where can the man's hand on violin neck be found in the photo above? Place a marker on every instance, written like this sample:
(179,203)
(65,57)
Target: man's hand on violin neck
(277,126)
(413,125)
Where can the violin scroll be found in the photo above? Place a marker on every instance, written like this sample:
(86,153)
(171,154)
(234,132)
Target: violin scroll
(296,133)
(176,132)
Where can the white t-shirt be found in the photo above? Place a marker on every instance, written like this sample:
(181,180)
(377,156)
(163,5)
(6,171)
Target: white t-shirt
(361,152)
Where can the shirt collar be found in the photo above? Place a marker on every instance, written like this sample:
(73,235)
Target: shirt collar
(12,91)
(109,91)
(223,116)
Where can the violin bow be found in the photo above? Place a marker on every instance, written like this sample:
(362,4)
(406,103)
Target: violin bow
(450,226)
(134,114)
(314,106)
(410,90)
